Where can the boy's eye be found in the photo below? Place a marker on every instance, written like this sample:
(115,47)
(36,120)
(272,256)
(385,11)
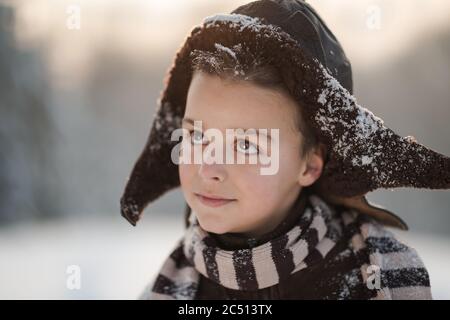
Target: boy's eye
(247,147)
(196,137)
(242,145)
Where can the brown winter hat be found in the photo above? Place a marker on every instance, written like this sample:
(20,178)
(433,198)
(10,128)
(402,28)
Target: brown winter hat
(363,154)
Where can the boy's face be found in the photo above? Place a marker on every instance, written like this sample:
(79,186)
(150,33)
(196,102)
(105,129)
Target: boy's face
(258,202)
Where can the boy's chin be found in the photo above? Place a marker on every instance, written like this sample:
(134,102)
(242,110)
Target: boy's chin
(213,228)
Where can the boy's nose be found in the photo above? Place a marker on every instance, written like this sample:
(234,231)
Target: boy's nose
(214,171)
(210,169)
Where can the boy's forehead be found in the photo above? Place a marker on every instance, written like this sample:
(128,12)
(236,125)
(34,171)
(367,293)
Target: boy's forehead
(206,125)
(237,105)
(212,121)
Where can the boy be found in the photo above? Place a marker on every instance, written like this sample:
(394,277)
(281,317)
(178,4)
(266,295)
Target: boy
(305,230)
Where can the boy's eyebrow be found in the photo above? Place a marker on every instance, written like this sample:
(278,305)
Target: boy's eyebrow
(190,121)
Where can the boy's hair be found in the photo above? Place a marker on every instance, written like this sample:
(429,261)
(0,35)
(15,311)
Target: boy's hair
(225,64)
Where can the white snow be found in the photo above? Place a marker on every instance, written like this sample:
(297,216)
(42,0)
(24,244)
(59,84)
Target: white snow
(366,160)
(238,19)
(226,49)
(360,135)
(322,98)
(244,22)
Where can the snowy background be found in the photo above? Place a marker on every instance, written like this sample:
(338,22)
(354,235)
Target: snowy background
(76,106)
(116,260)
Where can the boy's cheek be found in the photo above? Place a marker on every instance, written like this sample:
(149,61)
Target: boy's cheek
(256,185)
(186,173)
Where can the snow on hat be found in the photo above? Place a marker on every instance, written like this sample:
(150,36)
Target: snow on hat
(363,154)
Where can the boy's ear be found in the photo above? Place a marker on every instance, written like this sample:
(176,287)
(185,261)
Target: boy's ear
(312,167)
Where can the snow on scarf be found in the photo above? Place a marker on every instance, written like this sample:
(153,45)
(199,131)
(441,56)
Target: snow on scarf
(308,242)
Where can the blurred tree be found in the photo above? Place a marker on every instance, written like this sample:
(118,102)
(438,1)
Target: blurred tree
(27,180)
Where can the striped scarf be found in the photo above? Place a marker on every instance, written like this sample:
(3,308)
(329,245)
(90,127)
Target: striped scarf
(307,243)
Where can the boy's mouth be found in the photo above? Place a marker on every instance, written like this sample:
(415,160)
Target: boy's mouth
(213,200)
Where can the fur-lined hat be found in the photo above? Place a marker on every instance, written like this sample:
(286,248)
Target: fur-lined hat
(363,154)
